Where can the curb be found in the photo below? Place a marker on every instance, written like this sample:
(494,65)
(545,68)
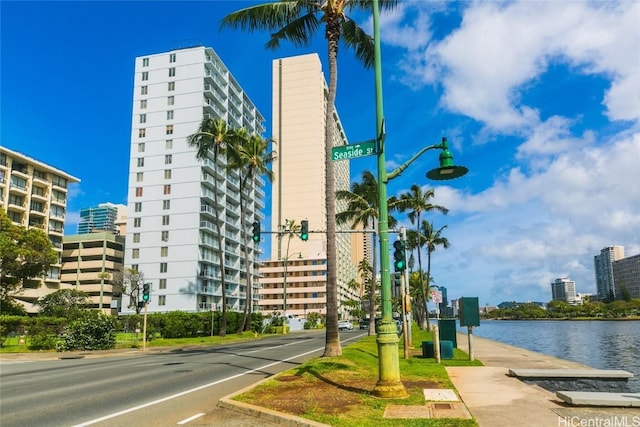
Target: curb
(259,412)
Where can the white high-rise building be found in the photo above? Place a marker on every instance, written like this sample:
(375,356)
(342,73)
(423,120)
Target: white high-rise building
(564,289)
(298,193)
(171,232)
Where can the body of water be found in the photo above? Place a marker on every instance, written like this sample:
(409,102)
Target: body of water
(596,343)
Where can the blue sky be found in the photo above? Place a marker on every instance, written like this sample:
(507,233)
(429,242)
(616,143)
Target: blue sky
(539,99)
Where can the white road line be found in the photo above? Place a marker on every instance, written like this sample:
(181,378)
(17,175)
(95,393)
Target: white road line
(186,420)
(202,387)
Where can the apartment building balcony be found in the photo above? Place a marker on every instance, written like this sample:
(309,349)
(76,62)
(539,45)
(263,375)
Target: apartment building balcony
(54,229)
(40,196)
(60,201)
(17,205)
(210,107)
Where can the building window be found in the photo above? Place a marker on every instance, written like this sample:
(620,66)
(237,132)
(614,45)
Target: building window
(165,236)
(145,75)
(167,174)
(143,103)
(164,251)
(172,72)
(168,144)
(139,176)
(162,300)
(145,62)
(142,133)
(144,90)
(170,115)
(171,86)
(167,189)
(143,118)
(134,267)
(166,205)
(138,191)
(169,130)
(165,219)
(135,254)
(167,159)
(136,237)
(137,222)
(172,57)
(138,207)
(140,162)
(162,284)
(163,267)
(171,100)
(141,147)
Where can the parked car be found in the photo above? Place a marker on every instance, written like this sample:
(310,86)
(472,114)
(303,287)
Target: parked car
(345,325)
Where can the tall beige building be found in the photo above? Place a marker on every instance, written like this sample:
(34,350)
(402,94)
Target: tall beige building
(298,193)
(34,194)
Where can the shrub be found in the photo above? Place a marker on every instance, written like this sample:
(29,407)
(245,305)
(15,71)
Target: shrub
(92,331)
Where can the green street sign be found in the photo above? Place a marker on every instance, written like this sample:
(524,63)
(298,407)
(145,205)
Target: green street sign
(353,151)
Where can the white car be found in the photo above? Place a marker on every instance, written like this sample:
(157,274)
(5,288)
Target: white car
(345,325)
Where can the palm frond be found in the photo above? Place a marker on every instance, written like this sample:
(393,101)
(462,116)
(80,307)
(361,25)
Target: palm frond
(355,38)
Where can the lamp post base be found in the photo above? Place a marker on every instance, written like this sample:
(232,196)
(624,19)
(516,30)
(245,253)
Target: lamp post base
(389,384)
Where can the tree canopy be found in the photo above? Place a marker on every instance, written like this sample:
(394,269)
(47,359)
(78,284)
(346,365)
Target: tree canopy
(25,253)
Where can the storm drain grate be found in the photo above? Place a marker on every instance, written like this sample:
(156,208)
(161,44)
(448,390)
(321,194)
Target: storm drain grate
(442,406)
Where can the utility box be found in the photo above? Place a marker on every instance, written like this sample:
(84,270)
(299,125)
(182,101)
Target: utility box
(447,331)
(469,311)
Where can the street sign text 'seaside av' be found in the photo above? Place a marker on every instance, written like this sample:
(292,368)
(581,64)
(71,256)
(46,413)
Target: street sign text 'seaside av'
(353,151)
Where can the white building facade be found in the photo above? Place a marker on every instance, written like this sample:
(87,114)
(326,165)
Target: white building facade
(171,233)
(563,289)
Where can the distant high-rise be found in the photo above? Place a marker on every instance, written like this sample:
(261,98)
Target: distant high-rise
(626,277)
(101,218)
(298,193)
(171,231)
(564,289)
(34,194)
(603,266)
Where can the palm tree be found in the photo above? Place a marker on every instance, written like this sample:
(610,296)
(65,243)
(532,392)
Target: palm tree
(212,138)
(432,238)
(416,201)
(297,21)
(247,154)
(362,209)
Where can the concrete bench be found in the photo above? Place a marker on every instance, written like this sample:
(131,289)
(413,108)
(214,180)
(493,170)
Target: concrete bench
(586,398)
(571,373)
(592,380)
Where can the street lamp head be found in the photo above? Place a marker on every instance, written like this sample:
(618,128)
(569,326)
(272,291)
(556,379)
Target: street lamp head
(447,169)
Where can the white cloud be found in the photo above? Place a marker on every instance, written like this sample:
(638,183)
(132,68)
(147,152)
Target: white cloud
(501,48)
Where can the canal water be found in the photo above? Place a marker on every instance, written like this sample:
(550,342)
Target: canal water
(597,343)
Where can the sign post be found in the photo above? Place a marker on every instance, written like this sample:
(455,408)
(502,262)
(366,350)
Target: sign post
(469,317)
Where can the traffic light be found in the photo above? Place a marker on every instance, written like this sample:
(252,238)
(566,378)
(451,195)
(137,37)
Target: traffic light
(256,231)
(397,279)
(304,230)
(399,257)
(146,291)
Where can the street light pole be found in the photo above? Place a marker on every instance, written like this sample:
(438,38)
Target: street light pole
(389,384)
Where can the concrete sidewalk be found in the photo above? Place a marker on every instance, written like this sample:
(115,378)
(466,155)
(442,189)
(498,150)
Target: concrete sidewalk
(497,400)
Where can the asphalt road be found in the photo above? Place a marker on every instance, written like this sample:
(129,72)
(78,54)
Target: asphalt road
(177,386)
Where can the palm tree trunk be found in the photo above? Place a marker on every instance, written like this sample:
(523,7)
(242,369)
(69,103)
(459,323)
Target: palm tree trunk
(223,283)
(332,341)
(424,322)
(247,308)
